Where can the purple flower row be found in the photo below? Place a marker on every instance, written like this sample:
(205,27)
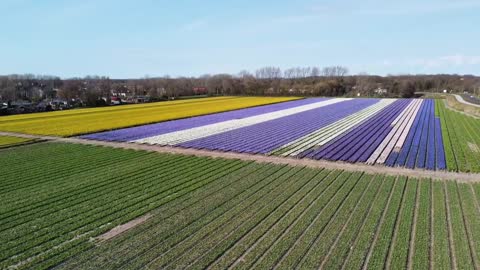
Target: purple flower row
(423,147)
(359,143)
(270,135)
(135,133)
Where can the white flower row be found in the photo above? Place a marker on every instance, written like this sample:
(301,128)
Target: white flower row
(178,137)
(380,154)
(330,132)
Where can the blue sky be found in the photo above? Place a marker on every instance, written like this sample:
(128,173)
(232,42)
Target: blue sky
(130,39)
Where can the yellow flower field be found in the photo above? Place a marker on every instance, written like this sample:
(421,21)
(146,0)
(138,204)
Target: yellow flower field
(83,121)
(9,140)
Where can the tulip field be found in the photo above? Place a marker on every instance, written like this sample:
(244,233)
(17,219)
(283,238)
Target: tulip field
(410,133)
(82,121)
(58,199)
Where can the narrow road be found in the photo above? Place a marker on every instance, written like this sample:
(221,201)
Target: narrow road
(461,100)
(332,165)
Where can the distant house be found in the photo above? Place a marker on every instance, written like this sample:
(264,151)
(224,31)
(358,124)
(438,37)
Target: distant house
(380,91)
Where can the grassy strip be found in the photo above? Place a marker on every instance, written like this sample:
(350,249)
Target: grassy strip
(8,141)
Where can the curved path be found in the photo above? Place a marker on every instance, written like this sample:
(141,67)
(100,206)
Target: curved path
(461,100)
(357,167)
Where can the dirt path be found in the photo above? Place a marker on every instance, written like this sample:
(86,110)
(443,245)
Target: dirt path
(331,165)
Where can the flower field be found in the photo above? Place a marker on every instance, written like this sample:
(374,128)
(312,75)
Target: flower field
(389,132)
(83,121)
(203,213)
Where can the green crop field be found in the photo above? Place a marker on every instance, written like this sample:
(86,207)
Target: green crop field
(57,199)
(461,139)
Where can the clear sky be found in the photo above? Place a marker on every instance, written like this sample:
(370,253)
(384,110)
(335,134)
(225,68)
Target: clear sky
(130,39)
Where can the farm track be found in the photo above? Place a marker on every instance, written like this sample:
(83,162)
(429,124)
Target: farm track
(352,167)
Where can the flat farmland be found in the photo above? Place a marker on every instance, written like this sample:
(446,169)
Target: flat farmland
(216,213)
(82,121)
(410,133)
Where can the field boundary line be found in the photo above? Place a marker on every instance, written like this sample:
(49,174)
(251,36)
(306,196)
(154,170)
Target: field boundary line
(331,165)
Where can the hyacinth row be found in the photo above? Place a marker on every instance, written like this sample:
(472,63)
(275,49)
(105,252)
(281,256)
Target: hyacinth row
(391,132)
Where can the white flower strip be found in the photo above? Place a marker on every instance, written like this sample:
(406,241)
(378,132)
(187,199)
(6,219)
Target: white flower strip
(403,137)
(388,143)
(181,136)
(383,150)
(401,131)
(330,132)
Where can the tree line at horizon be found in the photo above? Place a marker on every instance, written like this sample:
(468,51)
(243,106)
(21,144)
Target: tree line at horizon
(301,81)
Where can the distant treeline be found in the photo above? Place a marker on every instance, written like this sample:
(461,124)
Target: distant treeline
(310,81)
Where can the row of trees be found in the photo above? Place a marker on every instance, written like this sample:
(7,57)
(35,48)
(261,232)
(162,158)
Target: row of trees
(306,81)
